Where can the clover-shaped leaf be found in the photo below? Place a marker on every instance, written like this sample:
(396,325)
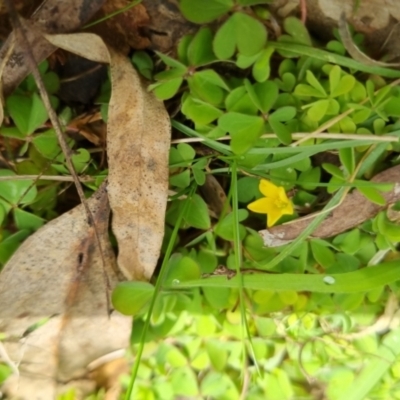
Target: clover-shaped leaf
(261,68)
(294,27)
(208,86)
(240,32)
(263,95)
(17,192)
(199,51)
(200,112)
(283,114)
(27,112)
(202,12)
(243,129)
(129,298)
(339,84)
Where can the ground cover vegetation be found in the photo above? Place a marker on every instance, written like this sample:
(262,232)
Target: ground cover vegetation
(267,130)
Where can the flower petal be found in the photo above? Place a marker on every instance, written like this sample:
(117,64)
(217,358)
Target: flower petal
(273,216)
(288,210)
(281,195)
(268,189)
(262,206)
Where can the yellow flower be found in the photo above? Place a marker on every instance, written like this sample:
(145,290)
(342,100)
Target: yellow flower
(274,204)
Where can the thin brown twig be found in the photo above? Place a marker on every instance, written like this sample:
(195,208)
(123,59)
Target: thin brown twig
(303,11)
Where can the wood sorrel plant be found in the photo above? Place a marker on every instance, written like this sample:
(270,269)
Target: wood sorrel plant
(309,120)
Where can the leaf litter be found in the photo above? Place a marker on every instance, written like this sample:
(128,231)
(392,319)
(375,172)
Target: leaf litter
(58,270)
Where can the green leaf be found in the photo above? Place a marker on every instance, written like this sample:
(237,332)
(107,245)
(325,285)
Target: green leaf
(199,111)
(307,91)
(392,107)
(129,298)
(208,86)
(184,269)
(261,68)
(321,252)
(348,242)
(46,144)
(296,28)
(374,372)
(166,90)
(240,31)
(172,62)
(347,125)
(309,179)
(181,180)
(283,114)
(51,82)
(143,63)
(372,195)
(199,176)
(184,381)
(225,227)
(176,358)
(244,130)
(27,112)
(26,220)
(217,298)
(238,100)
(287,82)
(347,159)
(219,386)
(3,213)
(334,78)
(358,93)
(210,76)
(197,214)
(218,355)
(247,189)
(263,95)
(80,158)
(340,86)
(186,151)
(204,11)
(244,62)
(182,49)
(333,170)
(313,81)
(10,244)
(318,110)
(200,50)
(282,132)
(17,192)
(370,90)
(336,47)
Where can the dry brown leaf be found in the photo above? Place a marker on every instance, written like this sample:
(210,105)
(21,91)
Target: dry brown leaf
(53,16)
(59,271)
(47,267)
(167,24)
(125,30)
(353,211)
(138,144)
(138,140)
(215,196)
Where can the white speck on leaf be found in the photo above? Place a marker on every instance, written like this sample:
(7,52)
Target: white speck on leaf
(329,280)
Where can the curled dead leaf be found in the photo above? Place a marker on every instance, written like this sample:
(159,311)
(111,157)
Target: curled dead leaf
(138,140)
